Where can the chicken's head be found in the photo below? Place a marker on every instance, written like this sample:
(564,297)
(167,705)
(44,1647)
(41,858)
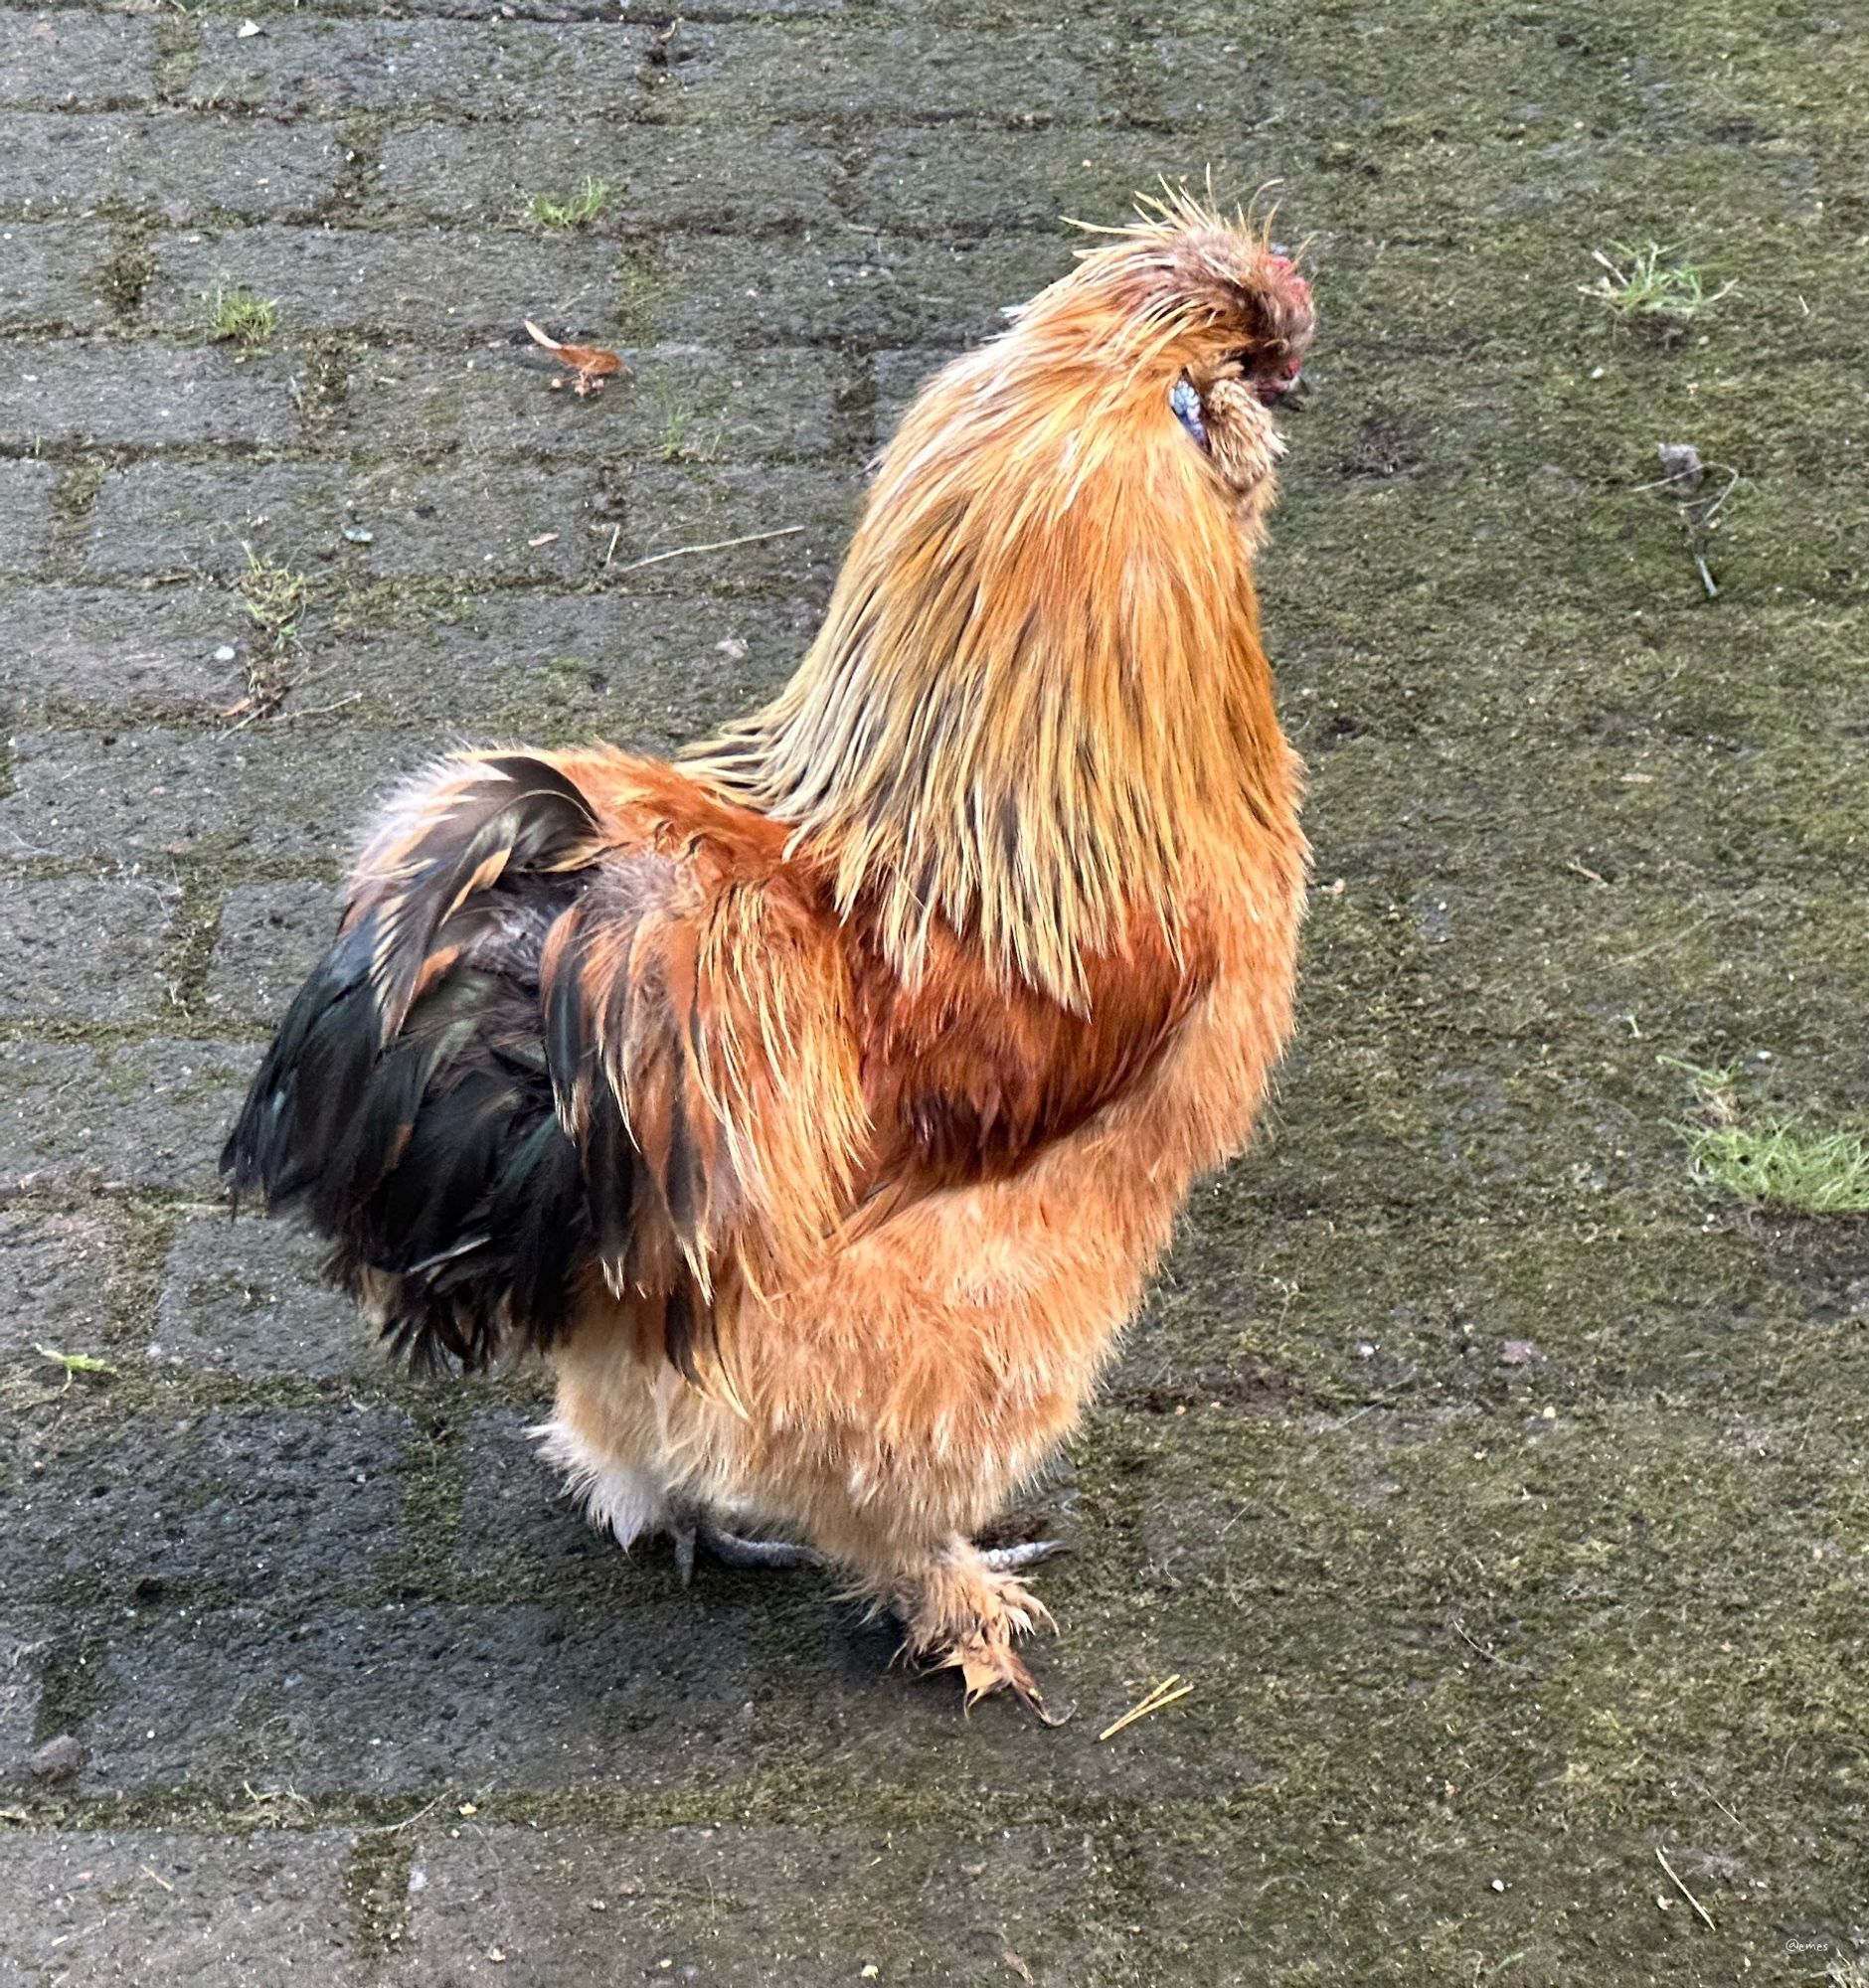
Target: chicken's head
(1246,324)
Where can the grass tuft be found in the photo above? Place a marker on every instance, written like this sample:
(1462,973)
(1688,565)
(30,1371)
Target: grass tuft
(1654,284)
(1772,1163)
(575,210)
(274,595)
(242,317)
(1777,1166)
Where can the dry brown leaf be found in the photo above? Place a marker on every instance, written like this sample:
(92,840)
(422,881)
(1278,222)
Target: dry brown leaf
(591,365)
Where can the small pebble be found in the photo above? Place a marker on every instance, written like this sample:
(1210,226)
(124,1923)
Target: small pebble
(57,1759)
(224,653)
(358,536)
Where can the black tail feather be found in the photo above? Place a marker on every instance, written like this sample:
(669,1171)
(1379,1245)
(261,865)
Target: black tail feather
(405,1110)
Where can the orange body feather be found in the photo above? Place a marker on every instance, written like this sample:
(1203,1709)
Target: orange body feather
(884,1035)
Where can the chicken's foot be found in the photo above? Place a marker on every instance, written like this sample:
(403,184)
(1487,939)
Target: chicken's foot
(962,1610)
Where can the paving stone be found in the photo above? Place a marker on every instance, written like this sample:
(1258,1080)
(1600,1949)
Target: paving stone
(148,1114)
(1297,72)
(148,394)
(899,377)
(68,56)
(854,289)
(662,506)
(236,1502)
(393,1699)
(1261,1313)
(282,795)
(480,523)
(807,74)
(1003,180)
(658,175)
(1776,968)
(1517,1127)
(1321,1489)
(1658,813)
(171,164)
(515,1513)
(55,274)
(790,1907)
(250,1299)
(53,1284)
(271,938)
(484,69)
(614,1682)
(413,284)
(678,404)
(204,517)
(228,1912)
(84,952)
(93,649)
(26,519)
(19,1712)
(643,670)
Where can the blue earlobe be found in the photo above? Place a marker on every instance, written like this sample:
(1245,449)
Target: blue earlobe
(1186,404)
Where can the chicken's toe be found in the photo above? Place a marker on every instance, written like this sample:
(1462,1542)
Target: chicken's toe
(736,1551)
(1008,1559)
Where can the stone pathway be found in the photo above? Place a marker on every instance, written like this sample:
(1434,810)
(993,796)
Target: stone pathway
(1499,1491)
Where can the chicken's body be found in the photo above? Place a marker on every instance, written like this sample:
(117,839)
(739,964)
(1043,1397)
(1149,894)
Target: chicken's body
(819,1103)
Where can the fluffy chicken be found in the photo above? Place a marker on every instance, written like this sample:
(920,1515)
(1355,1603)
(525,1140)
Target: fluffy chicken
(818,1104)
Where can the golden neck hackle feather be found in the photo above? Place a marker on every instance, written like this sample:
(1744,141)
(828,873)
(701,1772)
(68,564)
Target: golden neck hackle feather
(1039,691)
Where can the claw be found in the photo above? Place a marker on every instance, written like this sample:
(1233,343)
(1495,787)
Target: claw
(989,1667)
(1036,1705)
(1008,1559)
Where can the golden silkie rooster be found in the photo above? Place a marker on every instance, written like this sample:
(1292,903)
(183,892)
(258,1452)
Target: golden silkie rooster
(817,1103)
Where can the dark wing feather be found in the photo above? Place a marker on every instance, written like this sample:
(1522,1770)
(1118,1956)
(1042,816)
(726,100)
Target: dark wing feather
(545,1047)
(404,1110)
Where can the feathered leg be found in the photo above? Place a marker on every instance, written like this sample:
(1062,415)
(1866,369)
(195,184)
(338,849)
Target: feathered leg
(961,1612)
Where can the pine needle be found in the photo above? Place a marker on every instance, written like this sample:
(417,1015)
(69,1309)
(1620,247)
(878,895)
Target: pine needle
(1155,1700)
(1675,1877)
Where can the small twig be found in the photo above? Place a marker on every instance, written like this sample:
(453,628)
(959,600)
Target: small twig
(392,1828)
(1491,1656)
(1694,1782)
(717,545)
(1675,1877)
(1473,1643)
(1661,944)
(159,1877)
(316,710)
(1584,869)
(1154,1702)
(617,532)
(1685,473)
